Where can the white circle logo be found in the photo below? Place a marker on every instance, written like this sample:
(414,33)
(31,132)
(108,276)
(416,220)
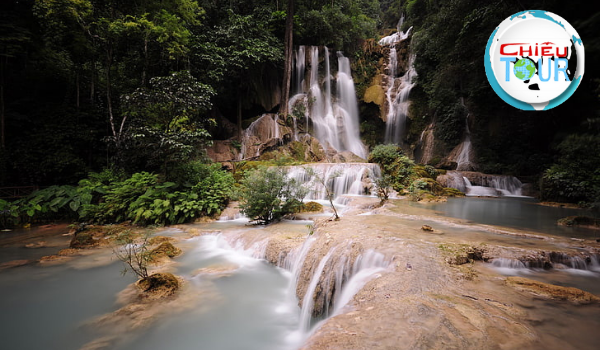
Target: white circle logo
(534,60)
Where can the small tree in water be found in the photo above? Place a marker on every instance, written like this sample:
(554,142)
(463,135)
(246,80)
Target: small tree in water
(267,195)
(134,255)
(325,182)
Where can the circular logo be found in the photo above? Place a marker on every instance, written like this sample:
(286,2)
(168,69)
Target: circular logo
(534,60)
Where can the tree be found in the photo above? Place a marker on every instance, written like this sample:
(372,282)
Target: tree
(289,48)
(134,255)
(267,195)
(168,121)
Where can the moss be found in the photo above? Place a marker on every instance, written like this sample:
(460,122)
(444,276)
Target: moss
(159,285)
(311,207)
(579,221)
(83,240)
(452,192)
(165,249)
(159,239)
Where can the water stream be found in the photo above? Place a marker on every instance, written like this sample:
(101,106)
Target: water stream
(332,118)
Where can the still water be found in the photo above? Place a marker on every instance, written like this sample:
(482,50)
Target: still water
(519,213)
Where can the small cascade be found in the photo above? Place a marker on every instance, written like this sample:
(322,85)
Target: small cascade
(333,119)
(552,260)
(308,300)
(342,178)
(364,269)
(334,279)
(463,151)
(399,89)
(483,185)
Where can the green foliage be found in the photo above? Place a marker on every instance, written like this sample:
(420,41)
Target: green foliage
(384,154)
(394,164)
(267,195)
(340,24)
(576,175)
(142,198)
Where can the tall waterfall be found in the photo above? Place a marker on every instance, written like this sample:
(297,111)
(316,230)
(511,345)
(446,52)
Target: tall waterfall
(334,119)
(398,89)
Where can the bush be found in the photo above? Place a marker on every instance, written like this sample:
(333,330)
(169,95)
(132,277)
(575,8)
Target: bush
(576,175)
(267,195)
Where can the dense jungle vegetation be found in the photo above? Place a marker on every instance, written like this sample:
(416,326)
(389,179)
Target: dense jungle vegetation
(112,98)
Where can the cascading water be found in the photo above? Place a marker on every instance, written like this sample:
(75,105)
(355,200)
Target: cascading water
(464,151)
(335,270)
(485,185)
(341,178)
(399,89)
(334,120)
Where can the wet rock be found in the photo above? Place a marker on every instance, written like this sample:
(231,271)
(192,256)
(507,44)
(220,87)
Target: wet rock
(427,228)
(159,285)
(551,291)
(584,221)
(163,253)
(160,239)
(15,263)
(311,207)
(40,244)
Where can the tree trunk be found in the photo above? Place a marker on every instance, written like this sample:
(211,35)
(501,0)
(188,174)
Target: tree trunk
(3,61)
(77,86)
(289,48)
(108,96)
(239,114)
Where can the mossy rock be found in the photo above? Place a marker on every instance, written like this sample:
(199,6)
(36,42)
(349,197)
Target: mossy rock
(311,207)
(452,192)
(83,240)
(164,250)
(159,285)
(93,235)
(160,239)
(579,221)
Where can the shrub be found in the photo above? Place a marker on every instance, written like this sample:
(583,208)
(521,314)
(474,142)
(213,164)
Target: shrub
(267,195)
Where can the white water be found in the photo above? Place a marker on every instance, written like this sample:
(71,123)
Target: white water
(366,267)
(398,90)
(491,185)
(464,161)
(340,178)
(308,300)
(334,118)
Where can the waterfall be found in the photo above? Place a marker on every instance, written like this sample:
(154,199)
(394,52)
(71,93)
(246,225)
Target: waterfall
(483,185)
(299,69)
(365,267)
(463,159)
(333,118)
(398,89)
(308,300)
(341,178)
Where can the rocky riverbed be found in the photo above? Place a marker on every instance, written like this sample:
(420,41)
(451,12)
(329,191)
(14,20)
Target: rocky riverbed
(435,285)
(439,291)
